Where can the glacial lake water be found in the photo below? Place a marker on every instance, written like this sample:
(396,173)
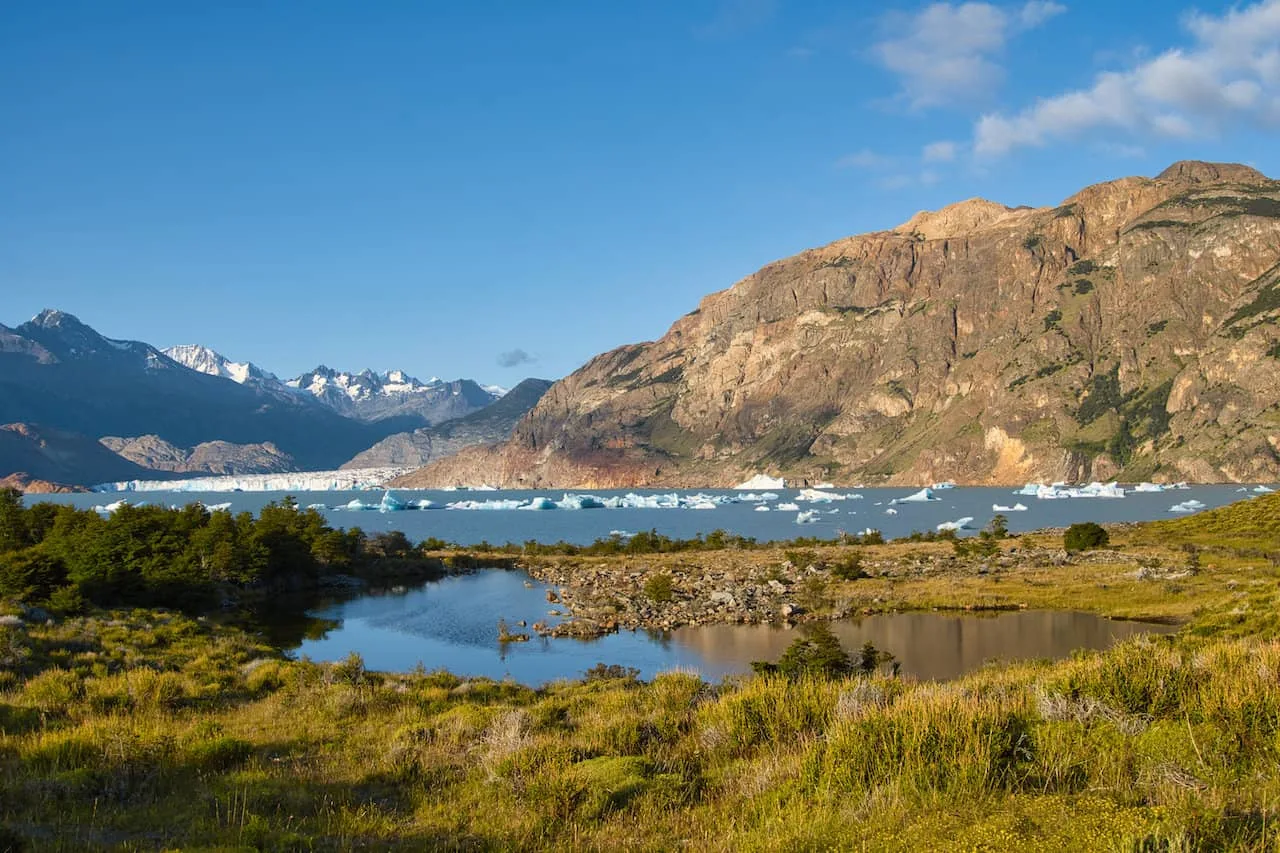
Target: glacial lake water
(452,624)
(727,511)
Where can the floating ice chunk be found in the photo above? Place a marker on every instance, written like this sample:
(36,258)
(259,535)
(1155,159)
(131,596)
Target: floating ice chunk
(484,487)
(1181,485)
(762,508)
(958,524)
(1148,487)
(807,517)
(316,506)
(815,496)
(917,497)
(1014,508)
(423,504)
(1187,506)
(756,497)
(945,484)
(390,503)
(788,507)
(823,485)
(621,534)
(703,505)
(890,511)
(1031,490)
(762,481)
(539,503)
(487,505)
(1263,490)
(870,531)
(356,505)
(108,509)
(222,506)
(574,501)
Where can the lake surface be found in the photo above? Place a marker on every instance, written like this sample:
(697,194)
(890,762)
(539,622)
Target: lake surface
(726,510)
(452,624)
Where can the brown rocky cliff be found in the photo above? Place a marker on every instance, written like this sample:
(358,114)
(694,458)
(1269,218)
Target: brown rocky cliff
(1128,332)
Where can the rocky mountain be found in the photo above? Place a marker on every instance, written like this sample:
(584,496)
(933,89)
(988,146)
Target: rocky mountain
(209,457)
(205,360)
(58,372)
(372,396)
(491,424)
(41,458)
(1129,332)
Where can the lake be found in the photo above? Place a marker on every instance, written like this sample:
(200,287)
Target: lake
(490,516)
(452,624)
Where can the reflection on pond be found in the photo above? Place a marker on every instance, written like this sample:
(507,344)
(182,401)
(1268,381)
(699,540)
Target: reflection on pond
(453,624)
(928,645)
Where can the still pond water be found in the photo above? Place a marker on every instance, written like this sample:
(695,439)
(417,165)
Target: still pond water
(452,624)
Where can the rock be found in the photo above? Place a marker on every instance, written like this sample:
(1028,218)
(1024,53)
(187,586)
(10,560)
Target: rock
(1034,325)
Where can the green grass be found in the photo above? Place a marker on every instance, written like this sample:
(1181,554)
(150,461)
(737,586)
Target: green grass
(145,729)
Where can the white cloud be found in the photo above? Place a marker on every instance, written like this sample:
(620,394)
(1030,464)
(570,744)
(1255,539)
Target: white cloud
(1229,75)
(939,152)
(947,51)
(1036,12)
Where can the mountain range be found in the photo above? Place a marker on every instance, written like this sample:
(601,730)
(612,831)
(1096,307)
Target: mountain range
(1130,331)
(189,410)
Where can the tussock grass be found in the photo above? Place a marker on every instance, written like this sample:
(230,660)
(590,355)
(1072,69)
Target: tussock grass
(149,730)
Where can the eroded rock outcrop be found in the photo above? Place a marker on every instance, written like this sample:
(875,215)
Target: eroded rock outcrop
(1130,331)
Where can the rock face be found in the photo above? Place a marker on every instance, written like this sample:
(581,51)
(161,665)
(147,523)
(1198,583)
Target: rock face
(1129,332)
(210,457)
(38,458)
(491,424)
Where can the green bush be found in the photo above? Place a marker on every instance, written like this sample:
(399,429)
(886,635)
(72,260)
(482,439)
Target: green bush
(817,654)
(1084,536)
(849,568)
(659,588)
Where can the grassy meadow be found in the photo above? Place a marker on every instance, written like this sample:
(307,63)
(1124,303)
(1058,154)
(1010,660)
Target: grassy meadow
(146,729)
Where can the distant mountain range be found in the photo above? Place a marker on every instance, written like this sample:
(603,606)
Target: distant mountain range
(366,396)
(490,424)
(190,410)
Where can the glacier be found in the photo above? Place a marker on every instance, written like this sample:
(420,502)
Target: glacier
(302,481)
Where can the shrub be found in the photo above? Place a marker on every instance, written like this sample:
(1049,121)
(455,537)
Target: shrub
(1084,536)
(817,654)
(849,568)
(659,588)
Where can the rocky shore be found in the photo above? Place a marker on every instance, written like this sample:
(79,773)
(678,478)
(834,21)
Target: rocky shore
(669,591)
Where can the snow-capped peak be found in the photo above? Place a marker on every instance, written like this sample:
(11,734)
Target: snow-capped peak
(496,390)
(205,360)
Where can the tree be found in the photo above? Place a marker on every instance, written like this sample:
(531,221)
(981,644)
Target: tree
(31,574)
(13,527)
(1084,536)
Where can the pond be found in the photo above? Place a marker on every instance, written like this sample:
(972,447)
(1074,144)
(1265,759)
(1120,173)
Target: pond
(453,624)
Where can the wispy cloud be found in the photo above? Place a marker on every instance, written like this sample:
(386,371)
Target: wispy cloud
(948,52)
(942,151)
(1229,75)
(515,358)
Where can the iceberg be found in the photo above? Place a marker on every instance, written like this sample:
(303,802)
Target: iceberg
(762,508)
(788,507)
(1015,508)
(539,503)
(824,485)
(807,517)
(390,503)
(890,511)
(958,524)
(1263,490)
(815,496)
(945,484)
(1148,487)
(1187,506)
(1030,490)
(921,496)
(218,507)
(572,501)
(108,509)
(762,481)
(703,505)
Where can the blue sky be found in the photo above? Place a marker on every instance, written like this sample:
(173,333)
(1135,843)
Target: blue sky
(444,188)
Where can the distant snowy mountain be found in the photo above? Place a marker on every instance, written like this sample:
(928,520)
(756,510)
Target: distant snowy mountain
(58,374)
(213,363)
(371,396)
